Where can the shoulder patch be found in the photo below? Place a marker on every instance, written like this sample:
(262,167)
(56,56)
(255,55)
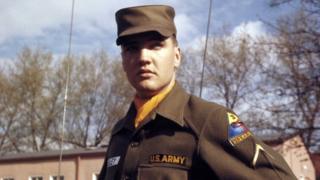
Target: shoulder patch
(237,131)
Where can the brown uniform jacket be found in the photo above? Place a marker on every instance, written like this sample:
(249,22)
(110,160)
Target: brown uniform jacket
(187,138)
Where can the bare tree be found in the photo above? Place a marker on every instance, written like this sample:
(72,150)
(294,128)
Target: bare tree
(31,125)
(99,95)
(296,74)
(8,116)
(233,70)
(32,98)
(189,73)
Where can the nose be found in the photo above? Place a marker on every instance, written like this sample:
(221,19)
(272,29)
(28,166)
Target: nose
(144,56)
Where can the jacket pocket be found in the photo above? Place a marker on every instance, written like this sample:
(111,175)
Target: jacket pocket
(161,172)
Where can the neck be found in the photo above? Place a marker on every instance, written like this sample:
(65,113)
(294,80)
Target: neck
(149,95)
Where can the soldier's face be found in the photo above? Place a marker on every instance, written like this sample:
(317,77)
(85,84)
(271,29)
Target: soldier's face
(150,63)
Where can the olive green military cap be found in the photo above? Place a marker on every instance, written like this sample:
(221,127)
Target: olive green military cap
(141,19)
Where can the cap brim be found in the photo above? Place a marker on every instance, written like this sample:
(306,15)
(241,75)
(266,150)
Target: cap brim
(125,35)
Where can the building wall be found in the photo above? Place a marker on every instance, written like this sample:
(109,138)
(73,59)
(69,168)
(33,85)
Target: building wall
(89,166)
(297,157)
(23,170)
(85,167)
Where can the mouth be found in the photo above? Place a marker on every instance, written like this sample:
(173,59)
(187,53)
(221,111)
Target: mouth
(145,73)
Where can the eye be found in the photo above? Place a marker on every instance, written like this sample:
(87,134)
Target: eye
(130,48)
(156,45)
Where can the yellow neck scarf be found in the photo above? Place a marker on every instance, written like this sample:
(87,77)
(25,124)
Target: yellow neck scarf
(145,106)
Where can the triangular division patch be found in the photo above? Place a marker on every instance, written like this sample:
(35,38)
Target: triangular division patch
(237,131)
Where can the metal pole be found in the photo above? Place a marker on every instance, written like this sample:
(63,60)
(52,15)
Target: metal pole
(66,92)
(205,48)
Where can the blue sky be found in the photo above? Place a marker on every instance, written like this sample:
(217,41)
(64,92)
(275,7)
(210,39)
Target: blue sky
(45,24)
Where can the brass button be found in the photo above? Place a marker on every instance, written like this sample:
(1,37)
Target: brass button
(134,144)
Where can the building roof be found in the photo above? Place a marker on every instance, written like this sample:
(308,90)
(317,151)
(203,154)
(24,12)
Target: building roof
(53,155)
(280,140)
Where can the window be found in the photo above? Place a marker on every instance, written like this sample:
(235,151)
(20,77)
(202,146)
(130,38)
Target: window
(95,176)
(36,178)
(56,178)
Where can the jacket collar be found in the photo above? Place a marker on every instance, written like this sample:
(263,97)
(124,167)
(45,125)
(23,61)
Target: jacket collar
(171,108)
(127,122)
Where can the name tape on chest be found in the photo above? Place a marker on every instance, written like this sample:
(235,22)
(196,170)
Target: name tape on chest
(166,158)
(113,161)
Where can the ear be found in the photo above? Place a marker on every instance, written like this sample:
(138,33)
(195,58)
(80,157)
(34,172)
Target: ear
(123,62)
(177,59)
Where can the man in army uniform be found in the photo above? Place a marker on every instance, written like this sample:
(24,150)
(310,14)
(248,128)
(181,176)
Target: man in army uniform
(168,133)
